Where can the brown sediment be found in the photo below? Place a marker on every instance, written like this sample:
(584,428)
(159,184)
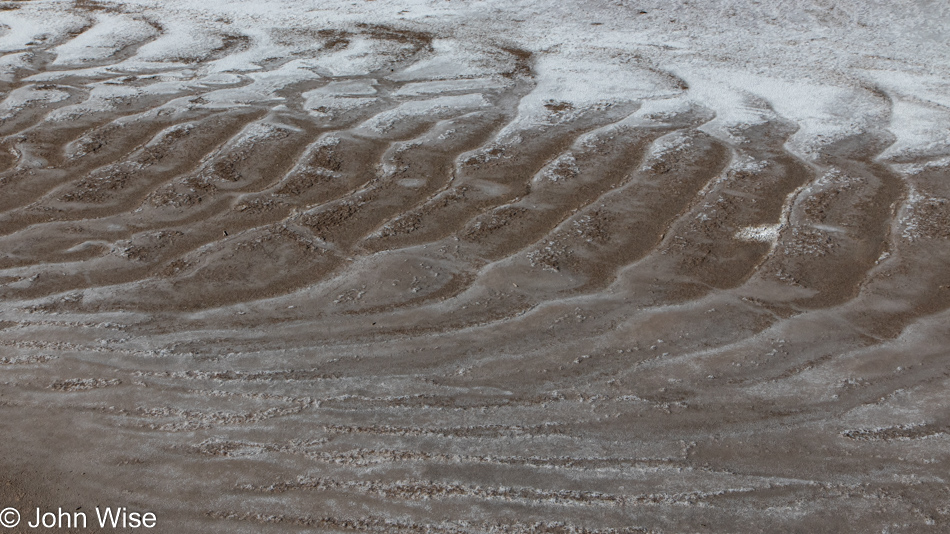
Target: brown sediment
(372,318)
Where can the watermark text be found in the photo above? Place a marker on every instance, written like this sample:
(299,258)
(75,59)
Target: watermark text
(118,517)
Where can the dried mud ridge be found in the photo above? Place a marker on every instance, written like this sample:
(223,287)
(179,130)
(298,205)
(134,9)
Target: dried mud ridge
(388,300)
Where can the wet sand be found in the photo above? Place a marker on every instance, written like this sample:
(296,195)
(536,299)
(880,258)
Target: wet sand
(393,300)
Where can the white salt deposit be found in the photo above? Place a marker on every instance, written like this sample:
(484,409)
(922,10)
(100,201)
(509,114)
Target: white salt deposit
(472,84)
(871,66)
(109,34)
(766,233)
(433,107)
(30,95)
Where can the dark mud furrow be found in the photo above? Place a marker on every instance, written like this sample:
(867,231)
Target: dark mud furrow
(629,222)
(703,245)
(251,160)
(91,114)
(336,165)
(418,169)
(838,228)
(301,249)
(904,288)
(117,188)
(619,227)
(491,176)
(588,173)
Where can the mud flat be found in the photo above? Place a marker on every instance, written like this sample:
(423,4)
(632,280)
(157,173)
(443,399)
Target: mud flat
(472,267)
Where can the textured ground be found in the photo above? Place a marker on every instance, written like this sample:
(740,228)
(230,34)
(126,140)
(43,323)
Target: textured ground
(478,267)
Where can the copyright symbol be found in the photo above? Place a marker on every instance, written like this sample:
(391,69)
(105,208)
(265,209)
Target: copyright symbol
(9,517)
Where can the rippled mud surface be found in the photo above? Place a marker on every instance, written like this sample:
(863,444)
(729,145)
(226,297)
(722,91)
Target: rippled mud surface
(377,298)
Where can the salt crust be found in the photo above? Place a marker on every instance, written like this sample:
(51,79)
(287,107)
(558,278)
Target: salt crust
(868,67)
